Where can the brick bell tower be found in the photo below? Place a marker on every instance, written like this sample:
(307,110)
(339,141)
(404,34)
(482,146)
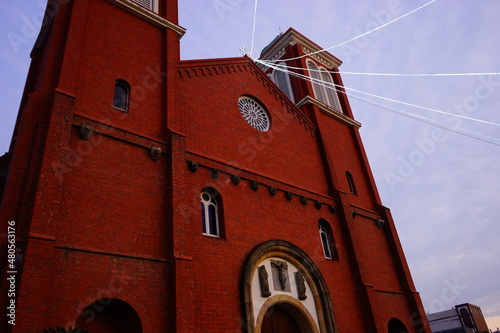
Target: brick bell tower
(150,194)
(87,181)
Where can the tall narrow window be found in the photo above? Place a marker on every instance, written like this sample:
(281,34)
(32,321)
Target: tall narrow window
(323,85)
(316,82)
(350,180)
(210,212)
(325,239)
(149,4)
(282,79)
(121,95)
(330,89)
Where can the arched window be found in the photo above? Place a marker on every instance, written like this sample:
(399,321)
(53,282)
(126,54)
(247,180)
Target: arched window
(149,4)
(324,241)
(330,90)
(350,180)
(282,79)
(122,95)
(323,85)
(326,237)
(316,81)
(210,212)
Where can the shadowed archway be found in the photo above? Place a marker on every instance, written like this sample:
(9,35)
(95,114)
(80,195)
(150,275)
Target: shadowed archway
(109,315)
(396,326)
(284,318)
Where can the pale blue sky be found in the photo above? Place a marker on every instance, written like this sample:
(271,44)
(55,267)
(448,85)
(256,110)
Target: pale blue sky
(442,187)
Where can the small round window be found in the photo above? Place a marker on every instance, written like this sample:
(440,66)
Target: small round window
(254,113)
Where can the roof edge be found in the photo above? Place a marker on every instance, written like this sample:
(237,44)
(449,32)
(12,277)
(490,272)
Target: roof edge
(293,36)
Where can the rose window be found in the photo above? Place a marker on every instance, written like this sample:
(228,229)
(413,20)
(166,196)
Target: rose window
(254,113)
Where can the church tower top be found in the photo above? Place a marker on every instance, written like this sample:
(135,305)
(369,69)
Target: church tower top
(275,50)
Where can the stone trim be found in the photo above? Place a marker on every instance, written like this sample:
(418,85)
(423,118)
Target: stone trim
(294,307)
(291,37)
(329,111)
(149,16)
(296,256)
(236,175)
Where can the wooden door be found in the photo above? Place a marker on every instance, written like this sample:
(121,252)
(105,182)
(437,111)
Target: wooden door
(278,320)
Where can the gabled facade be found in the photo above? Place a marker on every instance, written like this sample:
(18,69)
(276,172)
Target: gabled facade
(151,194)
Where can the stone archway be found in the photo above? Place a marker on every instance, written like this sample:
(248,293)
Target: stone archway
(110,315)
(284,314)
(295,296)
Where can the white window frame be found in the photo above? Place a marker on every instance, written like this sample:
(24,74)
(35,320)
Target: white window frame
(350,181)
(325,241)
(325,93)
(287,89)
(153,4)
(206,204)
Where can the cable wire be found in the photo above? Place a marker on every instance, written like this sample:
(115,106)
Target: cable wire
(334,86)
(359,36)
(388,108)
(264,62)
(253,29)
(421,74)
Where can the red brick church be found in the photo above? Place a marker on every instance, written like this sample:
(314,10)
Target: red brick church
(145,193)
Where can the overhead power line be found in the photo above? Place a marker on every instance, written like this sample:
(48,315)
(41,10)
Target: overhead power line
(359,36)
(335,86)
(474,135)
(421,74)
(253,29)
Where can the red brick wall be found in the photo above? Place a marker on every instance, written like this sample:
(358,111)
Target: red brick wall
(288,151)
(105,221)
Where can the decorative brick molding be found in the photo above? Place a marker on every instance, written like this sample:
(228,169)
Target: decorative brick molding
(272,190)
(190,69)
(154,153)
(235,179)
(215,173)
(193,166)
(85,131)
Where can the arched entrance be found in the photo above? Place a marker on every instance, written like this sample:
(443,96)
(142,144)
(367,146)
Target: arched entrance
(396,326)
(282,318)
(284,291)
(109,315)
